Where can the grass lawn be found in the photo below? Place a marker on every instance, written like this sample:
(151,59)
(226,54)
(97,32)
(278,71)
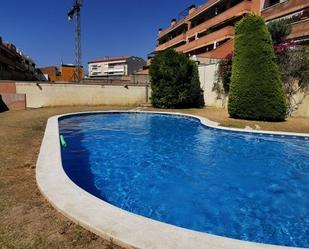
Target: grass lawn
(27,219)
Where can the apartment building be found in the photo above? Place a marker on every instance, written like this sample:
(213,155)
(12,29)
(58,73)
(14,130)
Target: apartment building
(66,73)
(208,31)
(295,12)
(115,67)
(15,65)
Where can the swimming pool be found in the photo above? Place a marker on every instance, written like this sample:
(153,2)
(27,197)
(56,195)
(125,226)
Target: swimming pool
(173,169)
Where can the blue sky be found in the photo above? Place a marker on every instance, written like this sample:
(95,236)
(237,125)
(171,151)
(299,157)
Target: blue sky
(109,28)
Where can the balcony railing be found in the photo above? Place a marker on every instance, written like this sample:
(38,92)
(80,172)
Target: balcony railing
(171,42)
(237,10)
(220,52)
(222,34)
(298,16)
(171,28)
(299,29)
(284,8)
(122,69)
(116,66)
(185,19)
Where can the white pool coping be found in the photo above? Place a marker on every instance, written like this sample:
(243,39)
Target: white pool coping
(112,223)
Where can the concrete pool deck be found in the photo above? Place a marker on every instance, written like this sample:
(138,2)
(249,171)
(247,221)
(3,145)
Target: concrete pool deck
(124,228)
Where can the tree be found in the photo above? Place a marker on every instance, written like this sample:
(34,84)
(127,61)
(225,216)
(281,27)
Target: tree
(223,78)
(279,30)
(293,62)
(175,81)
(256,91)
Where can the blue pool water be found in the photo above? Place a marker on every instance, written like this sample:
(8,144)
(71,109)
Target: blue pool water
(175,170)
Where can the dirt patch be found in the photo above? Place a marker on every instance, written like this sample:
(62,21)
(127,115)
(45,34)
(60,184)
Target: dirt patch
(27,219)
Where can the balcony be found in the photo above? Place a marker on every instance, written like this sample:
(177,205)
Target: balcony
(5,60)
(185,19)
(113,73)
(284,8)
(222,34)
(204,7)
(220,52)
(171,28)
(172,42)
(238,10)
(116,69)
(299,29)
(116,66)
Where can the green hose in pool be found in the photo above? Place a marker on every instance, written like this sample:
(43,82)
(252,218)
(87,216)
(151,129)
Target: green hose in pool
(62,141)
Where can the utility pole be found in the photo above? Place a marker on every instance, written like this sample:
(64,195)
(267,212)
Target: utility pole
(75,12)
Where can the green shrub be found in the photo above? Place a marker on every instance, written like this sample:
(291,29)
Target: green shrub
(223,77)
(175,81)
(293,62)
(256,91)
(279,30)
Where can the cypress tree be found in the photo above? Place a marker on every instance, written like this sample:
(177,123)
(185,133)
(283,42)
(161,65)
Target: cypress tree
(256,91)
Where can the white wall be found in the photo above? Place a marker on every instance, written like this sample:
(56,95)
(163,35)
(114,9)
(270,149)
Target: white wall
(207,75)
(78,94)
(43,95)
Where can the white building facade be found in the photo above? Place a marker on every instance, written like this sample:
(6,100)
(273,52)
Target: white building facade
(115,67)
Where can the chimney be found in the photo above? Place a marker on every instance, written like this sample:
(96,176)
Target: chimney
(192,8)
(173,22)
